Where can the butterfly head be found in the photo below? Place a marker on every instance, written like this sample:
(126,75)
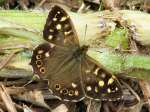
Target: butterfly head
(81,51)
(84,48)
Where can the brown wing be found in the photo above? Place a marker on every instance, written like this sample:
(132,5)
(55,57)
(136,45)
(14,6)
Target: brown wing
(54,61)
(98,83)
(59,28)
(61,69)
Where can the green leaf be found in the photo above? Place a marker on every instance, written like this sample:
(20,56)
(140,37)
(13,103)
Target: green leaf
(118,37)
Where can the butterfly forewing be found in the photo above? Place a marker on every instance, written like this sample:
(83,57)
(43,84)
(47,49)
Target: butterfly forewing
(59,28)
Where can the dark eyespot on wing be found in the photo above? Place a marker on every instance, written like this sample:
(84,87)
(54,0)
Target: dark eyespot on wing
(68,92)
(40,54)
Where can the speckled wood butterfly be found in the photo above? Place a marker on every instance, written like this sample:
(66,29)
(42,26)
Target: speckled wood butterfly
(72,74)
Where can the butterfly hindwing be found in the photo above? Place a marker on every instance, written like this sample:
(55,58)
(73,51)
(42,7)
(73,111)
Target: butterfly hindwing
(62,71)
(99,84)
(59,28)
(66,83)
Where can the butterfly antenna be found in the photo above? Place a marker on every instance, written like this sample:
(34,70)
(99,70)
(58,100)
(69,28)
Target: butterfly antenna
(85,32)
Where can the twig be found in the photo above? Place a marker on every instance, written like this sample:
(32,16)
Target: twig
(23,5)
(89,106)
(6,61)
(146,91)
(133,92)
(4,109)
(41,3)
(82,7)
(7,99)
(15,47)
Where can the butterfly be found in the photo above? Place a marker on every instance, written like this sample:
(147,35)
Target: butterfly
(72,74)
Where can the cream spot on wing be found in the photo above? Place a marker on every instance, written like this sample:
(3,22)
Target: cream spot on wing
(52,45)
(55,19)
(87,71)
(118,98)
(76,93)
(88,88)
(65,40)
(61,91)
(66,26)
(67,33)
(74,85)
(50,37)
(47,54)
(101,83)
(110,81)
(116,89)
(65,99)
(103,75)
(51,30)
(96,71)
(113,77)
(109,99)
(63,19)
(38,66)
(40,51)
(113,91)
(58,12)
(96,89)
(108,90)
(97,99)
(58,26)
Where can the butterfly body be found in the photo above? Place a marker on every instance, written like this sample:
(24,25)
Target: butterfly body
(71,73)
(80,52)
